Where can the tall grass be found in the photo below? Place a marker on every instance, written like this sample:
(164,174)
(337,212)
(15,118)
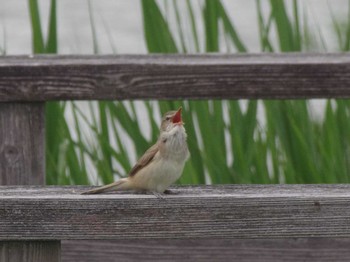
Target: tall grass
(63,164)
(290,147)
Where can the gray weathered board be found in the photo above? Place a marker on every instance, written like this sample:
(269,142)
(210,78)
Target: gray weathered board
(30,251)
(43,78)
(22,145)
(232,211)
(208,250)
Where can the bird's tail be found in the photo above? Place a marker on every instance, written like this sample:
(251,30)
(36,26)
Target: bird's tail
(122,184)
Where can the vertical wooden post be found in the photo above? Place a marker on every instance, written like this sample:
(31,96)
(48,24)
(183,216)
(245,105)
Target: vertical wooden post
(22,162)
(22,137)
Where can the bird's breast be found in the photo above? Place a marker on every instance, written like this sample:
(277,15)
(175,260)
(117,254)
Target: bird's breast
(174,145)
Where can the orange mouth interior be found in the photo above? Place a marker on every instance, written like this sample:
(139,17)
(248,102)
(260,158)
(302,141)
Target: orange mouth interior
(177,117)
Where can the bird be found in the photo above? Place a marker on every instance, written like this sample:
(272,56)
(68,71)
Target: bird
(161,165)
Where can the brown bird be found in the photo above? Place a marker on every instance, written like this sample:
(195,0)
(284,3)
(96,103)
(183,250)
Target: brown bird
(161,165)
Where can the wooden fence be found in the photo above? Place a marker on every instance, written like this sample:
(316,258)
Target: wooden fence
(199,223)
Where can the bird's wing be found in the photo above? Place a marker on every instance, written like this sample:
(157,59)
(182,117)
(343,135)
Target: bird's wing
(145,159)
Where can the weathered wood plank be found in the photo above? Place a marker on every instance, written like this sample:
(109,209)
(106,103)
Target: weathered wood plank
(22,160)
(235,211)
(243,250)
(30,251)
(120,77)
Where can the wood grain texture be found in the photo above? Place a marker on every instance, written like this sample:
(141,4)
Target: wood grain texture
(22,160)
(243,250)
(31,251)
(297,75)
(232,211)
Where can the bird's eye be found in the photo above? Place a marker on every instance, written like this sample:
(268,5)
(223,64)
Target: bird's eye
(167,118)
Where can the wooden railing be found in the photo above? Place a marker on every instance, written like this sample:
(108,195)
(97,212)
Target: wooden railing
(207,223)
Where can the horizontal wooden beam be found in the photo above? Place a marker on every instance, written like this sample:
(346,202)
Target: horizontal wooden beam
(30,251)
(265,76)
(243,250)
(232,211)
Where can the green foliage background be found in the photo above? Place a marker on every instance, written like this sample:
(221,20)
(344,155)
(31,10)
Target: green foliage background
(291,147)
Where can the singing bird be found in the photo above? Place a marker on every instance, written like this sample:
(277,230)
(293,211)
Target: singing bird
(161,165)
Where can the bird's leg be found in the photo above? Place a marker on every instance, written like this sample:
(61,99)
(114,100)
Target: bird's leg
(158,195)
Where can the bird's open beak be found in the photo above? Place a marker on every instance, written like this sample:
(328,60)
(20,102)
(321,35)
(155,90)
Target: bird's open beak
(177,117)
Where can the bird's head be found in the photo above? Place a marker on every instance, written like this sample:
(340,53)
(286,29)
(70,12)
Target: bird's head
(171,119)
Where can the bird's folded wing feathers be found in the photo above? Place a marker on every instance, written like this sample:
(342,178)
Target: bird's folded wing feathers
(145,159)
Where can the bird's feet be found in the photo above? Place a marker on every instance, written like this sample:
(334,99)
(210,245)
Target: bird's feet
(158,195)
